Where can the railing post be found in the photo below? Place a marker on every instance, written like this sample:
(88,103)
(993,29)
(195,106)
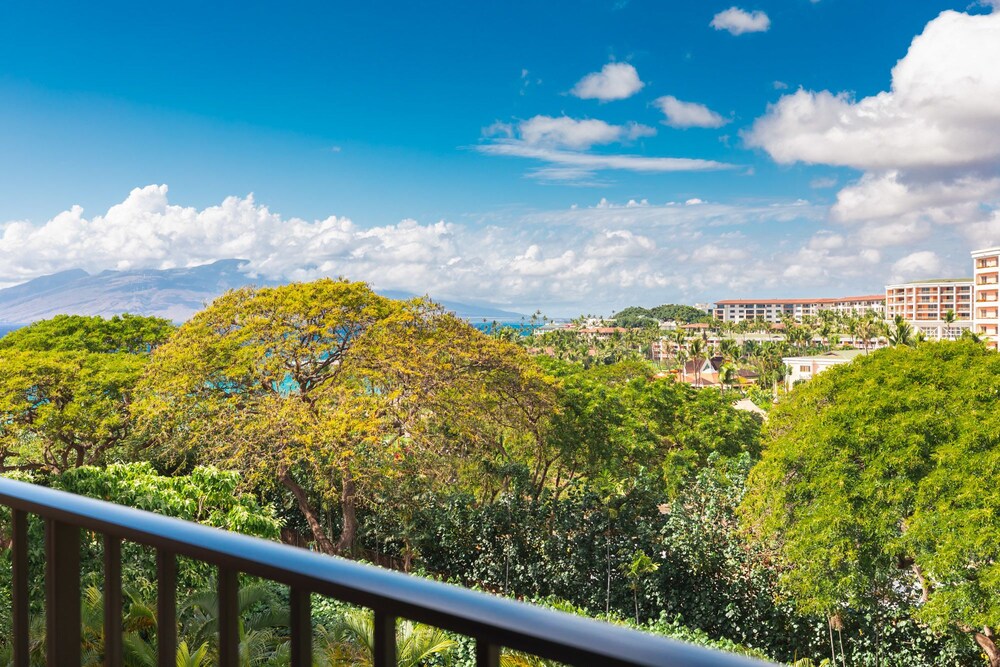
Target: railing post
(62,594)
(112,601)
(19,589)
(300,613)
(487,654)
(229,618)
(384,644)
(166,609)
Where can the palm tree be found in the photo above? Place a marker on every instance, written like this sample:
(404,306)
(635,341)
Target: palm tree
(682,359)
(969,334)
(727,375)
(728,349)
(349,641)
(901,332)
(697,350)
(949,319)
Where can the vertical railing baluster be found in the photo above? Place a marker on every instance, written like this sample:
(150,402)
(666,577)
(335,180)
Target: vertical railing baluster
(229,618)
(487,654)
(112,601)
(19,589)
(384,644)
(300,613)
(62,594)
(166,609)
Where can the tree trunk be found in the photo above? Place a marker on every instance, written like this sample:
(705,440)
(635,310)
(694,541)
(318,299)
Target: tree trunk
(347,509)
(987,642)
(323,543)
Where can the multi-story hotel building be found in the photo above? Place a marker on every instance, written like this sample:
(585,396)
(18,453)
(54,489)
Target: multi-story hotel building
(772,310)
(986,267)
(925,304)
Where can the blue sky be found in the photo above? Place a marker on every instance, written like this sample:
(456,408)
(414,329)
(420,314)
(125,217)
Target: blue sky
(458,148)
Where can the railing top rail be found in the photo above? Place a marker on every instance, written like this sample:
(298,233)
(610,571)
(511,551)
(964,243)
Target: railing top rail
(500,621)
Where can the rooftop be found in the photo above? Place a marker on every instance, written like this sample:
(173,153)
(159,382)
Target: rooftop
(866,297)
(832,354)
(933,281)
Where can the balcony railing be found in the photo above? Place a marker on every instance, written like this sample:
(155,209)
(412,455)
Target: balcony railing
(493,622)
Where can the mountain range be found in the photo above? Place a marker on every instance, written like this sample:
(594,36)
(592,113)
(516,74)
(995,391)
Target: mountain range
(174,294)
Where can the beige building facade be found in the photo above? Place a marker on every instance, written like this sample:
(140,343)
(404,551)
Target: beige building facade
(986,268)
(925,305)
(772,310)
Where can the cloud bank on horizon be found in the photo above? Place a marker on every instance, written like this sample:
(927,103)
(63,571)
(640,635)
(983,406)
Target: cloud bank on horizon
(592,256)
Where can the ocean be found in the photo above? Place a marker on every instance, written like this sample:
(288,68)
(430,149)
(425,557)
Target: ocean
(523,328)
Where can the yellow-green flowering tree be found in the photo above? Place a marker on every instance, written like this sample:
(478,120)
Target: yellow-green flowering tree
(323,386)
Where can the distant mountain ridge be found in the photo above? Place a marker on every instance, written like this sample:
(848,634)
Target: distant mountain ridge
(174,294)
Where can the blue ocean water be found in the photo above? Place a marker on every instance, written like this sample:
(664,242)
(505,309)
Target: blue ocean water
(523,328)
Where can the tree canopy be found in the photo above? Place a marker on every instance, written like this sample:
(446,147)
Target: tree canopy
(637,316)
(65,388)
(330,381)
(91,333)
(876,487)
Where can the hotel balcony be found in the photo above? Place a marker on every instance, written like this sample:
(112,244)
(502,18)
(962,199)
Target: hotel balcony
(987,263)
(495,623)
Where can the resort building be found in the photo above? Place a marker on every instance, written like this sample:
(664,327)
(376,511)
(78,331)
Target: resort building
(772,310)
(805,368)
(925,305)
(986,266)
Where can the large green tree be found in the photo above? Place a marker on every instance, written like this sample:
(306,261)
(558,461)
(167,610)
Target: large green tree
(91,333)
(321,387)
(65,389)
(877,488)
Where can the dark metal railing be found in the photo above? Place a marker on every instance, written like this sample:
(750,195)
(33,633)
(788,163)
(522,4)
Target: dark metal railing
(493,622)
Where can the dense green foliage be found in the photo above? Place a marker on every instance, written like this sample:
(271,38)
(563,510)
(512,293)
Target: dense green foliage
(874,487)
(859,523)
(637,316)
(66,385)
(121,333)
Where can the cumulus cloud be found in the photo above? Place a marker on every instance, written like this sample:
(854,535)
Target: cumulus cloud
(565,260)
(688,114)
(615,81)
(943,108)
(929,147)
(922,264)
(738,21)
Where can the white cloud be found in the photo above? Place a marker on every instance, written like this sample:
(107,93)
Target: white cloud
(928,147)
(608,255)
(943,109)
(566,261)
(822,183)
(688,114)
(587,163)
(615,81)
(738,21)
(560,142)
(565,132)
(922,264)
(890,196)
